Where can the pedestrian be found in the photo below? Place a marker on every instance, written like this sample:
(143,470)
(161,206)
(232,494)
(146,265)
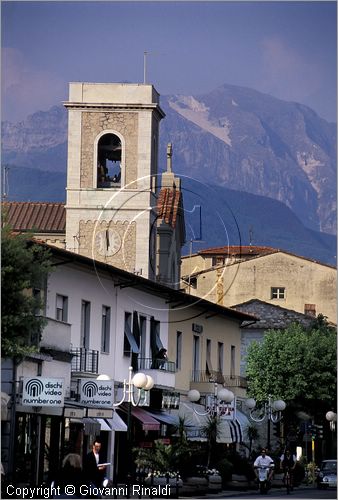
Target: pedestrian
(70,480)
(94,472)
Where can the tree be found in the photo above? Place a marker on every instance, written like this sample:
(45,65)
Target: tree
(25,267)
(296,364)
(211,430)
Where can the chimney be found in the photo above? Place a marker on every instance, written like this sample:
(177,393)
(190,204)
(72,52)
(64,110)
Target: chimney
(310,309)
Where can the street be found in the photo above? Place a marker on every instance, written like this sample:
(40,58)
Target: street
(307,493)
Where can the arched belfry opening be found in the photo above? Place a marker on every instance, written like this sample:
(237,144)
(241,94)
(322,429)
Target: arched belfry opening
(109,154)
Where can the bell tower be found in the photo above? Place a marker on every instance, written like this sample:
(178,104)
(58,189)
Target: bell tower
(113,136)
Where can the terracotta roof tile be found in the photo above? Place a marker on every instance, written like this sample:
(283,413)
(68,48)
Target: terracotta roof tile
(238,250)
(42,217)
(169,205)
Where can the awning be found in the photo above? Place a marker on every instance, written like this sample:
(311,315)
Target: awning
(116,423)
(230,431)
(131,339)
(165,418)
(104,425)
(148,422)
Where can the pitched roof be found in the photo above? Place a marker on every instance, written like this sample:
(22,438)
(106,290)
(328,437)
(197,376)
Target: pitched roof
(272,316)
(169,205)
(238,250)
(251,251)
(41,217)
(125,278)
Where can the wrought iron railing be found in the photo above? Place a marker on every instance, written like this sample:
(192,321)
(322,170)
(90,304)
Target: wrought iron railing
(84,360)
(156,364)
(207,376)
(236,381)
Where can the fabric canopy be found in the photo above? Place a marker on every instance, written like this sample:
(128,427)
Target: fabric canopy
(165,418)
(116,423)
(230,431)
(148,422)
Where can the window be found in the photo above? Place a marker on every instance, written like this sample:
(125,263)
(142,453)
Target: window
(109,151)
(196,358)
(233,362)
(220,351)
(155,340)
(61,308)
(85,323)
(105,331)
(208,366)
(178,350)
(143,336)
(278,293)
(218,261)
(129,345)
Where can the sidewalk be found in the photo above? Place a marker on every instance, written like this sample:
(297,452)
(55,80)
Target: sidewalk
(238,493)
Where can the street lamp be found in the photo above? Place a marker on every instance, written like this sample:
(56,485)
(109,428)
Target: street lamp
(270,410)
(143,383)
(219,404)
(331,416)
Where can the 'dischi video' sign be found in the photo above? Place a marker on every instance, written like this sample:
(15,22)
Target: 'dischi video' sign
(96,392)
(43,391)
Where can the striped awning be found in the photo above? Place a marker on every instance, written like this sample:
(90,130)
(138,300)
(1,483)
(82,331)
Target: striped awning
(230,431)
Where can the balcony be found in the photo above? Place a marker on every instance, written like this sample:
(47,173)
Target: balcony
(204,382)
(163,375)
(84,361)
(56,336)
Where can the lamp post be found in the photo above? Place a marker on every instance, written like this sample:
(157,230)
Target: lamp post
(220,400)
(270,410)
(143,383)
(331,416)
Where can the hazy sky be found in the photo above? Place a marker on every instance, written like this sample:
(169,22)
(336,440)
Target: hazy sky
(286,49)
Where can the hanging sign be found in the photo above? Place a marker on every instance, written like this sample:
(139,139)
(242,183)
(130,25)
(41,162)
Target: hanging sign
(96,393)
(43,391)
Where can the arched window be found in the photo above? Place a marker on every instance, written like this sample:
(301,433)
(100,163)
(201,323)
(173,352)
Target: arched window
(109,152)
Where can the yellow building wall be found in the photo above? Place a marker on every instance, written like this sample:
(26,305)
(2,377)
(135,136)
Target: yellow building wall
(215,328)
(305,282)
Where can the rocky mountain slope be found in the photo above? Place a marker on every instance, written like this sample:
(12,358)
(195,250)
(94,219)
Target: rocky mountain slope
(233,137)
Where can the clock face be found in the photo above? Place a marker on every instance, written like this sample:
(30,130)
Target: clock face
(108,242)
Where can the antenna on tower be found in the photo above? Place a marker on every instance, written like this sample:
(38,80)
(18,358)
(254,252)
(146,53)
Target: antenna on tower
(144,66)
(5,183)
(250,235)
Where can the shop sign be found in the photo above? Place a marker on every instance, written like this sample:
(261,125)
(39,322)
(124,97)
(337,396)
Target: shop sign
(43,391)
(99,413)
(73,413)
(96,392)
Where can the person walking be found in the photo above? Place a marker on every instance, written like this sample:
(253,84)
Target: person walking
(70,479)
(94,472)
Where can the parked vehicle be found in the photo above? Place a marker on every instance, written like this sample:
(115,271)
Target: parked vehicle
(327,475)
(263,478)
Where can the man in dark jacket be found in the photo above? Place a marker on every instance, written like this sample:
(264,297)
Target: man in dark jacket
(92,470)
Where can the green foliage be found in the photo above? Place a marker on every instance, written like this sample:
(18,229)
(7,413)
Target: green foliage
(295,363)
(25,266)
(211,431)
(162,458)
(225,468)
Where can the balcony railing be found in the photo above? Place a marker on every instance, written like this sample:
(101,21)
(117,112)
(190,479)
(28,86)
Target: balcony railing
(156,364)
(236,381)
(85,360)
(207,376)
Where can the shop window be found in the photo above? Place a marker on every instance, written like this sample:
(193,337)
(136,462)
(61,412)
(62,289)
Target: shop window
(109,155)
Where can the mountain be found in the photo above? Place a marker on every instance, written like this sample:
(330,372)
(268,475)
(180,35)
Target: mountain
(238,139)
(225,217)
(252,142)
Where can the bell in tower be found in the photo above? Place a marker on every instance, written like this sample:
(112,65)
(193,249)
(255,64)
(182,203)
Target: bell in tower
(112,169)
